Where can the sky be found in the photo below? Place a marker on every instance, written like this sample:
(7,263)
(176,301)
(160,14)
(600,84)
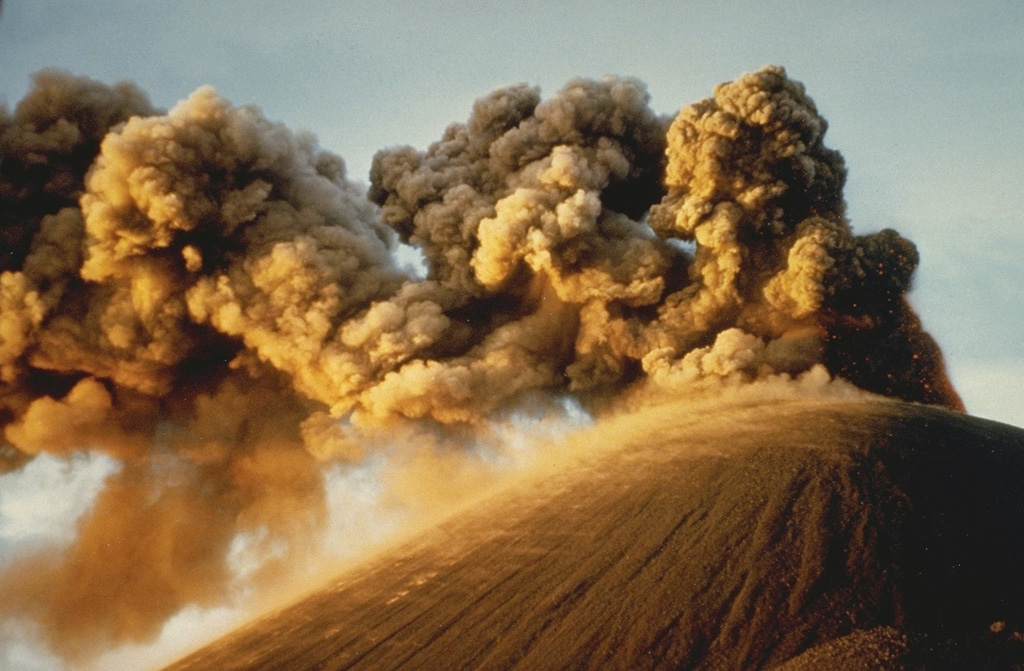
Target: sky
(923,100)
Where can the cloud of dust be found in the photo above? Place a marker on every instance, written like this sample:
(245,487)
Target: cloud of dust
(202,295)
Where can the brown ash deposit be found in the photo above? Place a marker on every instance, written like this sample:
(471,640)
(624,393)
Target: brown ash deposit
(790,535)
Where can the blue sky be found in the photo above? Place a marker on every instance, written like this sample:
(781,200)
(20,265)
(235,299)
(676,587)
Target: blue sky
(924,101)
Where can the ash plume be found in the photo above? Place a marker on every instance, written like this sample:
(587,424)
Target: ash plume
(202,294)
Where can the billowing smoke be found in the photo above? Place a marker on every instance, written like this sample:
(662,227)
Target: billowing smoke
(203,295)
(639,246)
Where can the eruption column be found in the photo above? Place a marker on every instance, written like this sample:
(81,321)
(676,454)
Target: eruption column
(203,295)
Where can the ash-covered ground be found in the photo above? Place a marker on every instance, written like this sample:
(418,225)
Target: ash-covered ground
(790,535)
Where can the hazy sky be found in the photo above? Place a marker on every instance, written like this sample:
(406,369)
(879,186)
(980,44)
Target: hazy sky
(924,101)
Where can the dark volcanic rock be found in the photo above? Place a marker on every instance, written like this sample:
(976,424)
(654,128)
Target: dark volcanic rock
(795,535)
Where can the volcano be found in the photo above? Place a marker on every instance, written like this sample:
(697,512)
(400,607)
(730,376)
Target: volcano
(203,296)
(846,534)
